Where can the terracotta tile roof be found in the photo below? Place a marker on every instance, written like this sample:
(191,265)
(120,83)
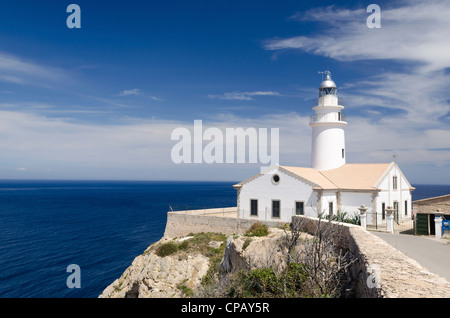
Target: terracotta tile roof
(311,175)
(438,198)
(349,176)
(357,176)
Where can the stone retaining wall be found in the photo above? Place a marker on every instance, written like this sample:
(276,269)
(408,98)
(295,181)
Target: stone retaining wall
(396,275)
(225,221)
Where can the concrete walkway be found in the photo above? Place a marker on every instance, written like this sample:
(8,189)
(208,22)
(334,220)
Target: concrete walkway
(431,253)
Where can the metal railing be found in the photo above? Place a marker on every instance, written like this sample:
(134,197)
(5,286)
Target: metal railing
(333,117)
(204,211)
(340,102)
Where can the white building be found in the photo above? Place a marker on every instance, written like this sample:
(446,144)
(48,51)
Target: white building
(330,185)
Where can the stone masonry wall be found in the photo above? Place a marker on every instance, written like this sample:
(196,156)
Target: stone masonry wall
(181,223)
(396,275)
(432,205)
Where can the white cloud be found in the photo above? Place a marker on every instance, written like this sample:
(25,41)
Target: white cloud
(17,70)
(244,95)
(407,105)
(134,91)
(415,31)
(141,149)
(421,98)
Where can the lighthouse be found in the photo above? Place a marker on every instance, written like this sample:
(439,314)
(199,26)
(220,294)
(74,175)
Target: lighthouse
(330,184)
(328,123)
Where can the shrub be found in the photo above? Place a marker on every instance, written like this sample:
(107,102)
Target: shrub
(183,246)
(344,217)
(265,282)
(258,229)
(260,282)
(166,249)
(246,243)
(187,292)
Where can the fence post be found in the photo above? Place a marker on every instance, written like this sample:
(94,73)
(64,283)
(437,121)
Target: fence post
(390,219)
(363,216)
(438,224)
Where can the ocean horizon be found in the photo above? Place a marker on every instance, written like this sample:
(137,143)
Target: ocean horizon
(100,225)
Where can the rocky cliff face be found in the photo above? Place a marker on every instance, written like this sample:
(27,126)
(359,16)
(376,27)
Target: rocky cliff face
(180,273)
(153,276)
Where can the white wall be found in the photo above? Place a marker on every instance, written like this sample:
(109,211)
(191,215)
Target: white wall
(326,147)
(351,201)
(288,190)
(291,189)
(401,194)
(325,199)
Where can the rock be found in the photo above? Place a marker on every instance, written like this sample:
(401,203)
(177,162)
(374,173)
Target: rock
(151,276)
(214,244)
(225,264)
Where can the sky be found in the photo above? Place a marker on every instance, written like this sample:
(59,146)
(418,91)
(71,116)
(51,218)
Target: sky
(101,101)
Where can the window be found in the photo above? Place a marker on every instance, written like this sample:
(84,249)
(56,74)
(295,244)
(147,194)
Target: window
(383,211)
(253,207)
(275,179)
(406,207)
(327,91)
(330,208)
(276,208)
(299,208)
(394,182)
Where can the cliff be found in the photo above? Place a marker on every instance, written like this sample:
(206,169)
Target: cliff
(190,259)
(182,267)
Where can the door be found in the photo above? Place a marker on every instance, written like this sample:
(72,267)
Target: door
(421,224)
(275,208)
(396,216)
(431,223)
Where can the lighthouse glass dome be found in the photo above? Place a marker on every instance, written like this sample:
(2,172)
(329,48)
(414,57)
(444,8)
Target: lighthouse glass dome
(327,87)
(327,91)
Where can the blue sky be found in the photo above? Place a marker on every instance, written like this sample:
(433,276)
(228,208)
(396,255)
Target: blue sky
(101,102)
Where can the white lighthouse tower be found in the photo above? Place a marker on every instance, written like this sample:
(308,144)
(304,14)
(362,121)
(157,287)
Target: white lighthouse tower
(328,138)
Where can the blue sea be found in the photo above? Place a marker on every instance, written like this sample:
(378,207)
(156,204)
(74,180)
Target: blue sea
(101,226)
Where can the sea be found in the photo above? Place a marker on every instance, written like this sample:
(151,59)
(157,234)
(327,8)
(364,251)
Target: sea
(100,226)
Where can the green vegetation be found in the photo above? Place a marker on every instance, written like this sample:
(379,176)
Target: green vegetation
(265,282)
(246,243)
(258,229)
(198,243)
(166,249)
(187,292)
(344,217)
(304,267)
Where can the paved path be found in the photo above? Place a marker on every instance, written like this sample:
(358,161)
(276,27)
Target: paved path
(431,253)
